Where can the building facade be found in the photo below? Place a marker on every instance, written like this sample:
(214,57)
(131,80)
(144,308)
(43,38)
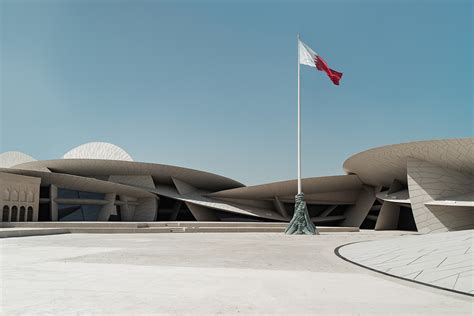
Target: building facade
(19,199)
(426,186)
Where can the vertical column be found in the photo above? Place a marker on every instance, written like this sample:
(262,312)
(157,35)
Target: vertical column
(146,210)
(126,211)
(36,198)
(53,194)
(108,209)
(388,216)
(356,214)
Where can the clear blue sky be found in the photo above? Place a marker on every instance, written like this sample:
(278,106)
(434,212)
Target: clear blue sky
(213,86)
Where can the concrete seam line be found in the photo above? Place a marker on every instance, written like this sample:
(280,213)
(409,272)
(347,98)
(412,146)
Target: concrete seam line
(337,253)
(37,235)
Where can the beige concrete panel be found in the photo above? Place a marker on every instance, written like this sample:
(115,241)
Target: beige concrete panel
(20,191)
(200,198)
(183,187)
(388,217)
(202,213)
(160,173)
(129,202)
(396,186)
(109,208)
(464,200)
(127,210)
(199,212)
(401,197)
(79,201)
(135,181)
(146,210)
(427,183)
(356,214)
(79,183)
(20,179)
(263,204)
(36,203)
(328,198)
(326,219)
(289,188)
(380,166)
(450,203)
(280,207)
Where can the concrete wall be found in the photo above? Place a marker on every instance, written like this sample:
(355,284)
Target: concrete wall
(109,208)
(19,197)
(127,211)
(145,210)
(388,216)
(136,181)
(356,214)
(428,182)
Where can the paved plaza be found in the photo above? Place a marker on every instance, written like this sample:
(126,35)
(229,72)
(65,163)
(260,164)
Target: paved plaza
(445,260)
(205,273)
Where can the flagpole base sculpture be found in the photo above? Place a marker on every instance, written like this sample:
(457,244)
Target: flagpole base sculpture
(301,223)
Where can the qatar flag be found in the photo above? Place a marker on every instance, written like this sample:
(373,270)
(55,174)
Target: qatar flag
(310,58)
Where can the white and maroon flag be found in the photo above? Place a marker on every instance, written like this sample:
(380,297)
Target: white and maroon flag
(310,58)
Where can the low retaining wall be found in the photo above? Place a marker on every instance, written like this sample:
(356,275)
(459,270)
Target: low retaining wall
(25,232)
(41,228)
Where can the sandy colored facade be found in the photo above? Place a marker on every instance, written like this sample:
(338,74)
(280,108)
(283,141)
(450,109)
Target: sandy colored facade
(426,186)
(19,199)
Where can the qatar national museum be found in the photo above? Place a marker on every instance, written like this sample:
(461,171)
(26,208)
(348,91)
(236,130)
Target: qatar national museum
(424,186)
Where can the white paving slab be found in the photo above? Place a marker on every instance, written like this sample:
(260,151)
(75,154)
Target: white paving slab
(444,259)
(205,274)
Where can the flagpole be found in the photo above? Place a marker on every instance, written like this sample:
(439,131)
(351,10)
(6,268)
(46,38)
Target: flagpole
(301,222)
(299,120)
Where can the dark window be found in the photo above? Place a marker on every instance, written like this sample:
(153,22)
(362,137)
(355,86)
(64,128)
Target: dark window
(6,213)
(44,192)
(185,214)
(406,221)
(14,217)
(29,216)
(76,212)
(22,214)
(70,213)
(44,212)
(72,194)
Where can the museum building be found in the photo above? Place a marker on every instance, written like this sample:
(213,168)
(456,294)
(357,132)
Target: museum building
(426,186)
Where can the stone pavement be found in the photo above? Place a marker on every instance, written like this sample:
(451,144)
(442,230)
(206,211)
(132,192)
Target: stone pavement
(443,259)
(205,273)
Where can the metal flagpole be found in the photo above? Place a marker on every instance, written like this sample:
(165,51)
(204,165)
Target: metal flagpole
(301,222)
(299,120)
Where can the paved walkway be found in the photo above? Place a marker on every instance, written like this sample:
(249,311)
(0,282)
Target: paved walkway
(205,273)
(444,259)
(26,231)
